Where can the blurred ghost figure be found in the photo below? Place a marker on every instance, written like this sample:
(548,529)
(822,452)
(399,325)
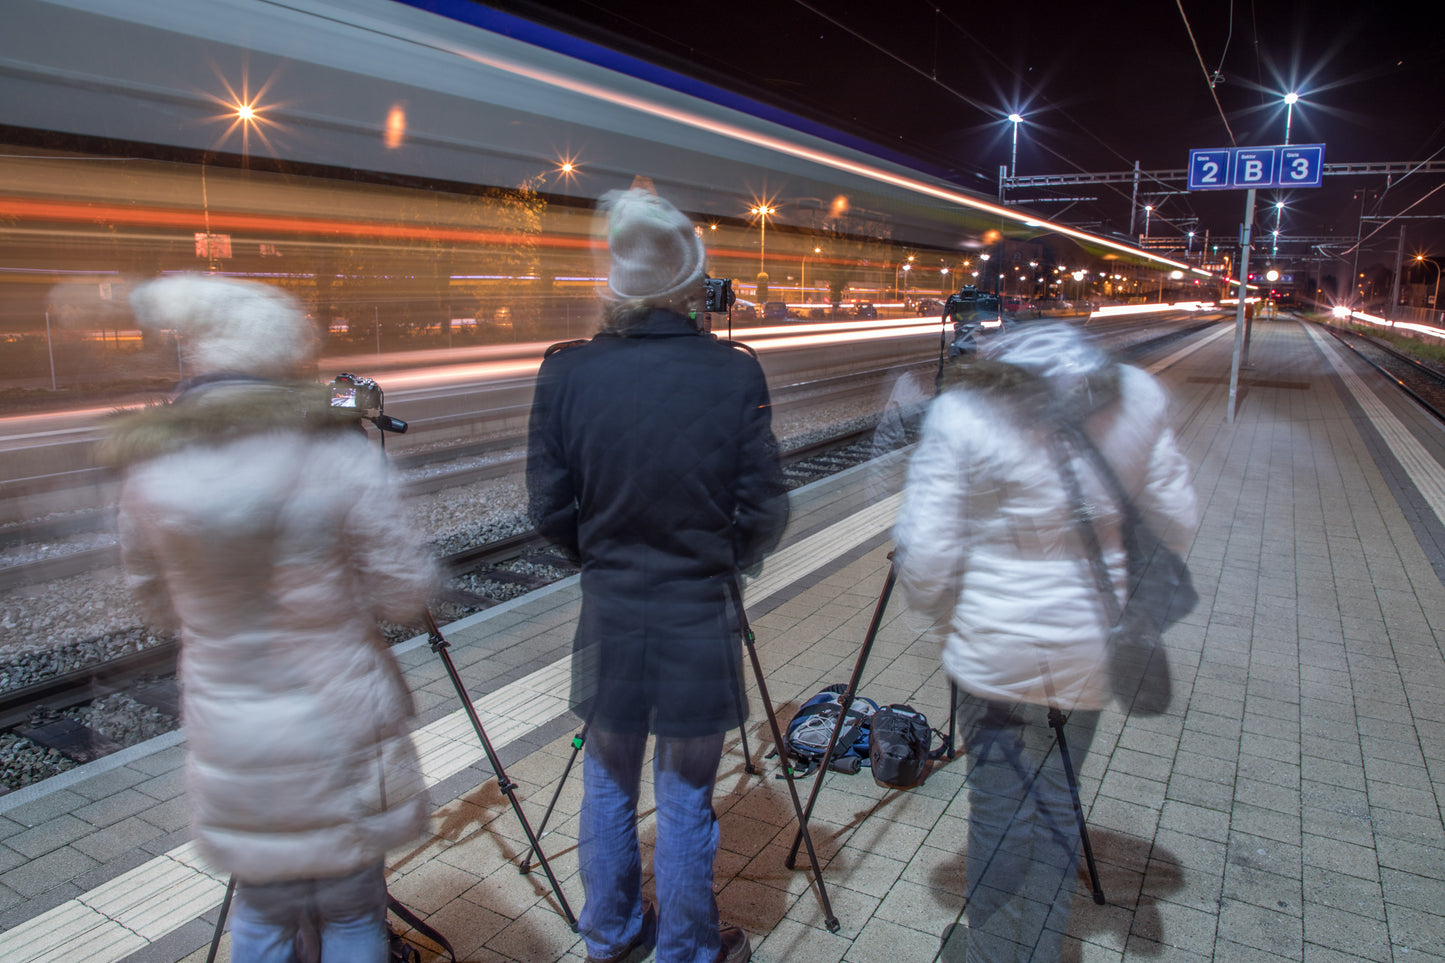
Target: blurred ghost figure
(652,457)
(258,522)
(989,547)
(897,428)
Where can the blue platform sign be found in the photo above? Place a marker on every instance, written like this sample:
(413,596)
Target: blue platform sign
(1302,166)
(1208,169)
(1254,167)
(1235,168)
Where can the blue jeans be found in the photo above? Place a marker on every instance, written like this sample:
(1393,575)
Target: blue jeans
(348,912)
(684,772)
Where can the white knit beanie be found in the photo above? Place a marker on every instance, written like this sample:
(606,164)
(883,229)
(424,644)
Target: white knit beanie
(654,252)
(227,325)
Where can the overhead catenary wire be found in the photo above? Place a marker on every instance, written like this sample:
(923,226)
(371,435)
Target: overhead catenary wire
(1207,82)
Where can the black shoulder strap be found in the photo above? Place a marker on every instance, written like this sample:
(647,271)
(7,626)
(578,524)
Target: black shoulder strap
(562,346)
(739,345)
(421,926)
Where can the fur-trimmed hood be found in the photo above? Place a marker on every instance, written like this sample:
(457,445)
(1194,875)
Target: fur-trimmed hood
(212,411)
(1046,371)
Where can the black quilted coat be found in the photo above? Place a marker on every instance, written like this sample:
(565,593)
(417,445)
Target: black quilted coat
(652,457)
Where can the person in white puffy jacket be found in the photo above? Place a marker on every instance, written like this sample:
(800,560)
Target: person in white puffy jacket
(988,547)
(259,523)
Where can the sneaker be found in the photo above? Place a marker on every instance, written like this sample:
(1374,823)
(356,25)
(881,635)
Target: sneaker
(735,947)
(641,945)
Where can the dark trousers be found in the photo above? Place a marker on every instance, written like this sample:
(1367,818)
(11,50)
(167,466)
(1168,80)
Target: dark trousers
(1023,834)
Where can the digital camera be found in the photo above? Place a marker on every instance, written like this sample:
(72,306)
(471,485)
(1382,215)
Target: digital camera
(718,295)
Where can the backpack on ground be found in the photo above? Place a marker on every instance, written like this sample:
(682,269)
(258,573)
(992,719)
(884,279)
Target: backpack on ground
(900,746)
(812,726)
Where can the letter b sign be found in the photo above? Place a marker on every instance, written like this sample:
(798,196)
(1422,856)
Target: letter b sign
(1253,168)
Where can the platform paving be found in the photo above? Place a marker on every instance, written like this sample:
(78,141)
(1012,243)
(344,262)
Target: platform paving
(1287,807)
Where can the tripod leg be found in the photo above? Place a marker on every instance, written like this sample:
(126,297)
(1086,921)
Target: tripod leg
(829,919)
(221,920)
(1056,721)
(748,766)
(577,742)
(439,645)
(952,717)
(846,705)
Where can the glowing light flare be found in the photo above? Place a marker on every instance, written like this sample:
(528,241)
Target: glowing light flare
(243,111)
(394,132)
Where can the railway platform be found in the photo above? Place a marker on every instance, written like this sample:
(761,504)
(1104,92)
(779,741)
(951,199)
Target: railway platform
(1287,807)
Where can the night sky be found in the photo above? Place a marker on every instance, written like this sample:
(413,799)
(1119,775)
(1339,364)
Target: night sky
(1099,85)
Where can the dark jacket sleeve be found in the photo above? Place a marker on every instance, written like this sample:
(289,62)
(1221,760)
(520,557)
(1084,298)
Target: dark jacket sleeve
(551,497)
(762,496)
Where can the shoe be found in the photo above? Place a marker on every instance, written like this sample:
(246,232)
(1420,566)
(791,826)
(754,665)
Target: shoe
(735,947)
(641,945)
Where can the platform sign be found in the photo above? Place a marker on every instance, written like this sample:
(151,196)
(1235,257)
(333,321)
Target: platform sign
(1241,168)
(1302,166)
(1209,169)
(1254,167)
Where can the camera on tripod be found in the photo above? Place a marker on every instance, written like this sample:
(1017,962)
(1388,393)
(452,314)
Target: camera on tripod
(972,312)
(718,295)
(365,397)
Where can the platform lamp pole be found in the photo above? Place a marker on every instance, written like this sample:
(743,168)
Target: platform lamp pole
(1243,276)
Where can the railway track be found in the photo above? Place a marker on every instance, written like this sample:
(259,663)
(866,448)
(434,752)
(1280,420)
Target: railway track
(1423,383)
(426,471)
(524,562)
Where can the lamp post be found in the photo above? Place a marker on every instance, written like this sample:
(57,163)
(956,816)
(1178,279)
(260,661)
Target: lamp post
(1013,161)
(1435,300)
(1289,100)
(803,281)
(762,211)
(943,280)
(1148,210)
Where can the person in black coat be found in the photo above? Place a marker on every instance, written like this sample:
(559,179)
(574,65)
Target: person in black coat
(652,458)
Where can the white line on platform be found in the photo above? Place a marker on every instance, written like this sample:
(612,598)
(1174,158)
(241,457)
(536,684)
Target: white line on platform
(1425,473)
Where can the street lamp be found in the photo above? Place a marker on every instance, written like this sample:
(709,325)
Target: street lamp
(1289,100)
(1013,162)
(1434,301)
(761,212)
(803,281)
(1148,210)
(943,280)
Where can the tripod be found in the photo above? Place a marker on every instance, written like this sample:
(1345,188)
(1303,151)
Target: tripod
(1056,722)
(578,741)
(829,919)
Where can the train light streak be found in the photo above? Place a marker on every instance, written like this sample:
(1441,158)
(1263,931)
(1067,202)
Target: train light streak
(716,125)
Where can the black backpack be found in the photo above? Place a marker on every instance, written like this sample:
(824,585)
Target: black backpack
(900,747)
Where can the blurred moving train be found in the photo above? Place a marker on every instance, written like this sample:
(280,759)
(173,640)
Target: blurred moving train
(419,178)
